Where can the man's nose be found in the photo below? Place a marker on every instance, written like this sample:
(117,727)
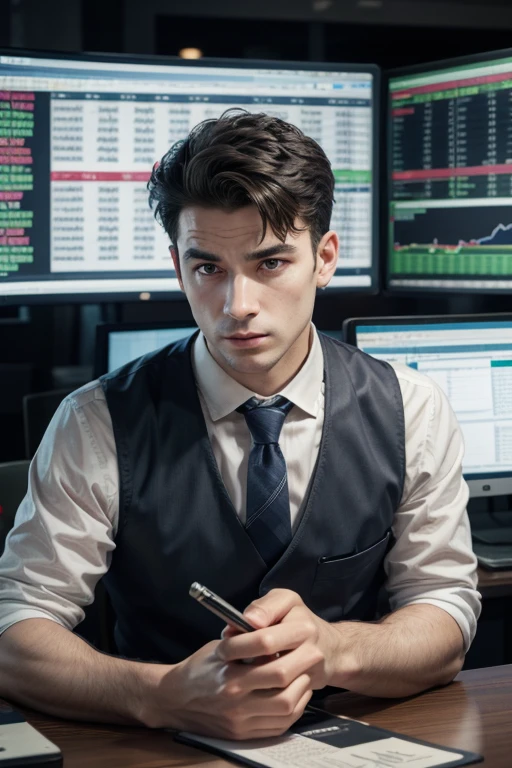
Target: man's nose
(241,298)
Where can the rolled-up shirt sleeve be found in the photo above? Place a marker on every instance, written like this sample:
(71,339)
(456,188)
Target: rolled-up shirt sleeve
(432,560)
(63,536)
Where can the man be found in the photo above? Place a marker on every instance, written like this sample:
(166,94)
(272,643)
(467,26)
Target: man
(284,470)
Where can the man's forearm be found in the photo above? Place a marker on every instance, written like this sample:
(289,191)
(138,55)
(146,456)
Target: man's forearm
(44,666)
(408,651)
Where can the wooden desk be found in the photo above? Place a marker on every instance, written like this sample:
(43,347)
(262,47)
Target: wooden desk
(495,583)
(473,713)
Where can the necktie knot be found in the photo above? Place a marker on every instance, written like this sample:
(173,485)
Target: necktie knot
(265,418)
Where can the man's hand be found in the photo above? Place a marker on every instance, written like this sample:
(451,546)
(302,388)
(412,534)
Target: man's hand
(287,628)
(222,696)
(230,699)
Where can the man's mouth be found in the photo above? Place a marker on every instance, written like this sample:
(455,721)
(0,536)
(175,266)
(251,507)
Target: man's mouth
(246,339)
(245,335)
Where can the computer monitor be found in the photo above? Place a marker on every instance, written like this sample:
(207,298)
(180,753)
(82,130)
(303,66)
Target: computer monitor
(80,134)
(450,156)
(120,343)
(470,357)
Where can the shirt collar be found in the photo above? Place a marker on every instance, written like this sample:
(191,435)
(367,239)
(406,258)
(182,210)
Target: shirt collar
(222,394)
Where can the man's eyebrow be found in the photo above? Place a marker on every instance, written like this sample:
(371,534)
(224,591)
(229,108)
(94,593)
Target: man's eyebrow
(270,252)
(264,253)
(197,253)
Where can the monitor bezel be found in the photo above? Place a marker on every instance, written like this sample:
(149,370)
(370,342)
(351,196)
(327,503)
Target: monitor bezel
(103,330)
(113,58)
(432,66)
(480,485)
(350,323)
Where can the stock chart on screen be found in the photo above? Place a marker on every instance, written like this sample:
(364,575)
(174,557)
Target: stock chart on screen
(450,155)
(79,136)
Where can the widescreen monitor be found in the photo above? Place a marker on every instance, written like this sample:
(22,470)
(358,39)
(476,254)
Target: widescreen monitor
(470,357)
(80,134)
(120,343)
(450,185)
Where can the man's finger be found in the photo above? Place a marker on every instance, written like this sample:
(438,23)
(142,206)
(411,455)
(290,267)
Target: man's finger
(272,607)
(264,642)
(275,673)
(278,701)
(229,631)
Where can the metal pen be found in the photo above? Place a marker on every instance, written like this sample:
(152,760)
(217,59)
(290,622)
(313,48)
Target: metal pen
(219,607)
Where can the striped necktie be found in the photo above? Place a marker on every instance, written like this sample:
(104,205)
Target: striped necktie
(268,505)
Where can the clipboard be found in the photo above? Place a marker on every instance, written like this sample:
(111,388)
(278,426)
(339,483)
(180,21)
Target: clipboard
(321,739)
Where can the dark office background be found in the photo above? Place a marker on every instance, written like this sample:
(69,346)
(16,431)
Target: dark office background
(44,346)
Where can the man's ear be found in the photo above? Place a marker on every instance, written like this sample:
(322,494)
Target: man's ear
(176,261)
(326,258)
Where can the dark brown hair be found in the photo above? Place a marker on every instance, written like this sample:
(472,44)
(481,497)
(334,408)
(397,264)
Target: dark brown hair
(244,159)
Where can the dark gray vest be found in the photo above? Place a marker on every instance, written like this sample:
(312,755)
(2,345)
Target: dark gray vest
(177,523)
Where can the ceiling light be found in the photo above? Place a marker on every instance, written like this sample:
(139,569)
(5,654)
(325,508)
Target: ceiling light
(190,53)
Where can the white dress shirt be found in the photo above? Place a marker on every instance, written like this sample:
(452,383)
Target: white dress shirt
(65,528)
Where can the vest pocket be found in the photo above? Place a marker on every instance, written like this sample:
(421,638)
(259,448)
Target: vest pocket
(340,583)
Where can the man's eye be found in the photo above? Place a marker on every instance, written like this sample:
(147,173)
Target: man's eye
(207,269)
(272,264)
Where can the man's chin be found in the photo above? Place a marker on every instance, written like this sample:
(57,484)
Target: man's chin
(248,364)
(249,361)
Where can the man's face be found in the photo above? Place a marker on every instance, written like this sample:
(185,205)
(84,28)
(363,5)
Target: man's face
(252,300)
